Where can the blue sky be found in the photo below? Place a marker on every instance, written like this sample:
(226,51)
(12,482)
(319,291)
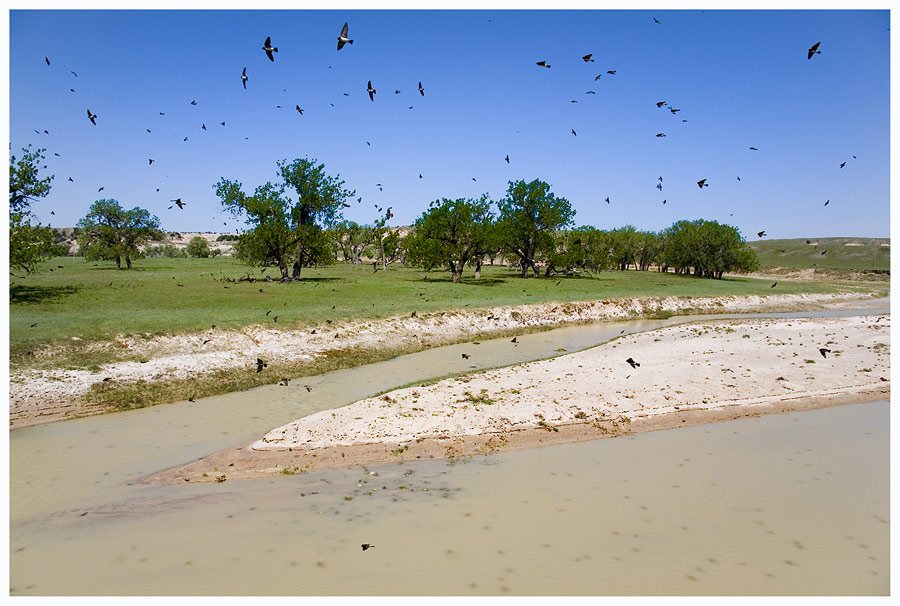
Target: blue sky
(741,78)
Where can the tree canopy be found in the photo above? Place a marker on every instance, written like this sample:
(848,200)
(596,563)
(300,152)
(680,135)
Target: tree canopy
(110,232)
(27,243)
(285,232)
(529,214)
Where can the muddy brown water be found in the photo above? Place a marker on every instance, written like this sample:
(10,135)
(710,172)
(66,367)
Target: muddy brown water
(782,505)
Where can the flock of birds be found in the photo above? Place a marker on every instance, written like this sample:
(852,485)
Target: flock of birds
(343,39)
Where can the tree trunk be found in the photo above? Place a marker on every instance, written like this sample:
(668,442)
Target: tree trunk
(127,261)
(118,262)
(295,273)
(478,269)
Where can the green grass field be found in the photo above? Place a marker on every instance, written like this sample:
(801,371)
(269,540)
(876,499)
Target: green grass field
(168,296)
(826,253)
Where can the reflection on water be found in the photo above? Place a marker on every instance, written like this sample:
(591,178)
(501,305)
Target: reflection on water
(788,504)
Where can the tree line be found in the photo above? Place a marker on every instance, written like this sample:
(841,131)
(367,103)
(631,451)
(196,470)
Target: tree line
(296,222)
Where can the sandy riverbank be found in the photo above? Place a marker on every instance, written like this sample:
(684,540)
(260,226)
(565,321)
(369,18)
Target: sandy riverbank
(42,395)
(688,374)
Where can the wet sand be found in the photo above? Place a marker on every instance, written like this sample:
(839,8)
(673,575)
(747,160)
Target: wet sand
(689,374)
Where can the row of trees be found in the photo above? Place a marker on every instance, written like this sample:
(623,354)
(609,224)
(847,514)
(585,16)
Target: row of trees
(296,223)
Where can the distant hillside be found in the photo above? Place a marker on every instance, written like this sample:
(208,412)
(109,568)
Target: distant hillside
(828,253)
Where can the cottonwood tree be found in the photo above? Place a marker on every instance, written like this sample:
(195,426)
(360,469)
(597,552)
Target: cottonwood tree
(352,239)
(706,248)
(198,247)
(529,215)
(289,233)
(28,243)
(451,234)
(109,232)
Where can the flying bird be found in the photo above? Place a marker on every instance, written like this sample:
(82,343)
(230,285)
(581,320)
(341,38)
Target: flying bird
(590,92)
(151,160)
(91,117)
(371,91)
(826,202)
(633,363)
(514,340)
(655,20)
(47,60)
(611,71)
(203,126)
(587,58)
(761,234)
(507,158)
(260,365)
(660,104)
(269,49)
(774,285)
(814,50)
(244,78)
(465,356)
(100,190)
(659,186)
(421,90)
(194,102)
(574,133)
(343,39)
(366,546)
(660,134)
(179,203)
(543,64)
(607,199)
(702,183)
(598,77)
(298,109)
(754,149)
(824,351)
(843,164)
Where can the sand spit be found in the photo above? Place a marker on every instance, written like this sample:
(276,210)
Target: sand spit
(38,396)
(687,374)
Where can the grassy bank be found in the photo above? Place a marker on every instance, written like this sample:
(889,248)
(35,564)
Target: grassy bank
(95,302)
(860,254)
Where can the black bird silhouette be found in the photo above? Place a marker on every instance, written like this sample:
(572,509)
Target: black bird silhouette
(297,107)
(371,91)
(674,111)
(660,104)
(761,234)
(664,202)
(607,199)
(421,90)
(203,126)
(507,158)
(269,49)
(738,177)
(754,149)
(151,160)
(774,285)
(702,183)
(611,71)
(826,202)
(91,117)
(396,92)
(71,179)
(99,190)
(193,102)
(179,203)
(823,252)
(814,50)
(659,186)
(843,164)
(308,388)
(655,20)
(587,58)
(260,365)
(824,351)
(343,39)
(47,60)
(633,363)
(513,340)
(590,92)
(574,133)
(598,77)
(244,78)
(465,356)
(660,134)
(543,64)
(367,546)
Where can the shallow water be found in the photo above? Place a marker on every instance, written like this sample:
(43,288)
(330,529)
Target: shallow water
(788,504)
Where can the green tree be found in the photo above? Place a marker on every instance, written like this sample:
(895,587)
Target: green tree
(198,247)
(288,233)
(529,214)
(28,243)
(706,248)
(451,234)
(109,232)
(352,239)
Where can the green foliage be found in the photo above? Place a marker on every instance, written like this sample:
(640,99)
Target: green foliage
(110,232)
(169,250)
(198,247)
(286,233)
(227,238)
(529,214)
(706,248)
(28,243)
(352,239)
(451,234)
